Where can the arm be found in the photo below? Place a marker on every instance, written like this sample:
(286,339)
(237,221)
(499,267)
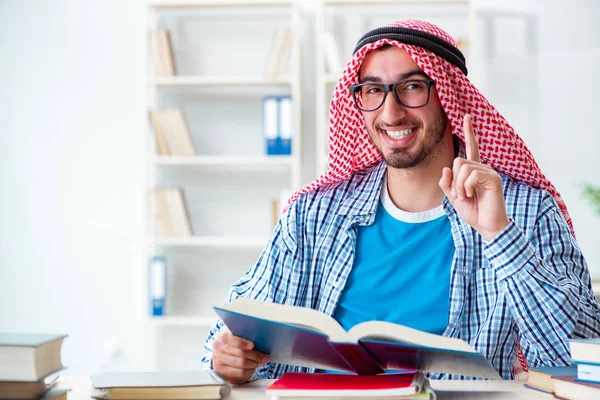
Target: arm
(545,278)
(264,281)
(547,286)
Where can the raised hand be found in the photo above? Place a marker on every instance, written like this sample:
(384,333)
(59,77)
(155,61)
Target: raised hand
(475,189)
(234,358)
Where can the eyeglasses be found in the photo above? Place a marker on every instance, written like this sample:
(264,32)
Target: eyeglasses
(370,96)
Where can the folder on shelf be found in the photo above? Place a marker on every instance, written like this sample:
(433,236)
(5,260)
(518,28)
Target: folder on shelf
(158,285)
(270,123)
(277,125)
(285,125)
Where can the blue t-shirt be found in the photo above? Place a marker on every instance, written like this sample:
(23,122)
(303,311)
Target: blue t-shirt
(401,271)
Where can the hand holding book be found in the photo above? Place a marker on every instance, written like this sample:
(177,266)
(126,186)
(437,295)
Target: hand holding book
(304,337)
(235,358)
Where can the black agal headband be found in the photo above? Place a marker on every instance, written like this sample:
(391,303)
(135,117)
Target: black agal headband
(419,38)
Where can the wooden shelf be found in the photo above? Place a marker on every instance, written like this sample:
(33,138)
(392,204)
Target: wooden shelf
(239,242)
(224,161)
(183,320)
(179,81)
(219,3)
(390,2)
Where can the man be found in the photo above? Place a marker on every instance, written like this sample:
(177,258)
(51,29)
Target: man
(455,232)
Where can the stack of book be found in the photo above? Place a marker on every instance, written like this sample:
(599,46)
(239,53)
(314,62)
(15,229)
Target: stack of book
(28,366)
(585,353)
(542,378)
(578,381)
(172,385)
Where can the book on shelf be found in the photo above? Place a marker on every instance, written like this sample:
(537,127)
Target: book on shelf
(171,133)
(16,390)
(169,213)
(277,124)
(279,54)
(567,387)
(171,385)
(29,357)
(333,59)
(160,137)
(404,385)
(162,53)
(308,338)
(540,378)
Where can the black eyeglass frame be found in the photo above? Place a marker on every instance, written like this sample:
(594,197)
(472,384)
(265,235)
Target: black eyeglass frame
(390,87)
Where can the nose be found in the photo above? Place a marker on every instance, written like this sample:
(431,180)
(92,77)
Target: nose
(391,110)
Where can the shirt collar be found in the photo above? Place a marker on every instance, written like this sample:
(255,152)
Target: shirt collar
(366,186)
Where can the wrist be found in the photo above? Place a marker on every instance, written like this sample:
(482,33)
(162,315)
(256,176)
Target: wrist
(491,234)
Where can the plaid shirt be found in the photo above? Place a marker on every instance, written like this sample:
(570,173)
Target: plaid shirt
(529,285)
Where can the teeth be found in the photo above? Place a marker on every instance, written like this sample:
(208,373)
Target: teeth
(399,134)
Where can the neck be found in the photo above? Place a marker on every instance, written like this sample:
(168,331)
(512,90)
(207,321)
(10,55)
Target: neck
(417,189)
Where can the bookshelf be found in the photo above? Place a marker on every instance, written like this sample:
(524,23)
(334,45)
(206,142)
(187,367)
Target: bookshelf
(346,20)
(221,50)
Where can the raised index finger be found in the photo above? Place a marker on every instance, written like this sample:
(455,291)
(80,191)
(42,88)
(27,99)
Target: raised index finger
(471,145)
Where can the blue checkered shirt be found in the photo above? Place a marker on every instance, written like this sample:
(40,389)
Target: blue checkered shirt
(530,285)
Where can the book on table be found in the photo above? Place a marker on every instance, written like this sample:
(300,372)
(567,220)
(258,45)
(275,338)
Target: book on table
(540,378)
(585,353)
(308,338)
(396,385)
(171,385)
(567,387)
(585,350)
(15,390)
(29,357)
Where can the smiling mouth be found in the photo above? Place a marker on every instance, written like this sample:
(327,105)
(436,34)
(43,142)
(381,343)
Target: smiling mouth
(399,134)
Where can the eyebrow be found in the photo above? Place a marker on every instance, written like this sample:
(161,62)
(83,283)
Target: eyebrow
(400,77)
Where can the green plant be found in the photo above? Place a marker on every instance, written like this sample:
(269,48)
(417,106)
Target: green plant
(593,195)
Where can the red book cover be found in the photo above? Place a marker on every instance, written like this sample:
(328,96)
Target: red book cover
(306,384)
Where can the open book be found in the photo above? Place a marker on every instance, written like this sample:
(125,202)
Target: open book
(308,338)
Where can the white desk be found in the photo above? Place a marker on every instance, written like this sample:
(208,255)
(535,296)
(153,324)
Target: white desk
(81,387)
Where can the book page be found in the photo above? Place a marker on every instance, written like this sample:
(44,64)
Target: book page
(380,330)
(299,316)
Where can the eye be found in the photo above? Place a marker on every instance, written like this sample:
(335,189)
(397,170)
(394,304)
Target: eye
(414,85)
(372,89)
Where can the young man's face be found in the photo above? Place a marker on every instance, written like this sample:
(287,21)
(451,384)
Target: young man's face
(406,137)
